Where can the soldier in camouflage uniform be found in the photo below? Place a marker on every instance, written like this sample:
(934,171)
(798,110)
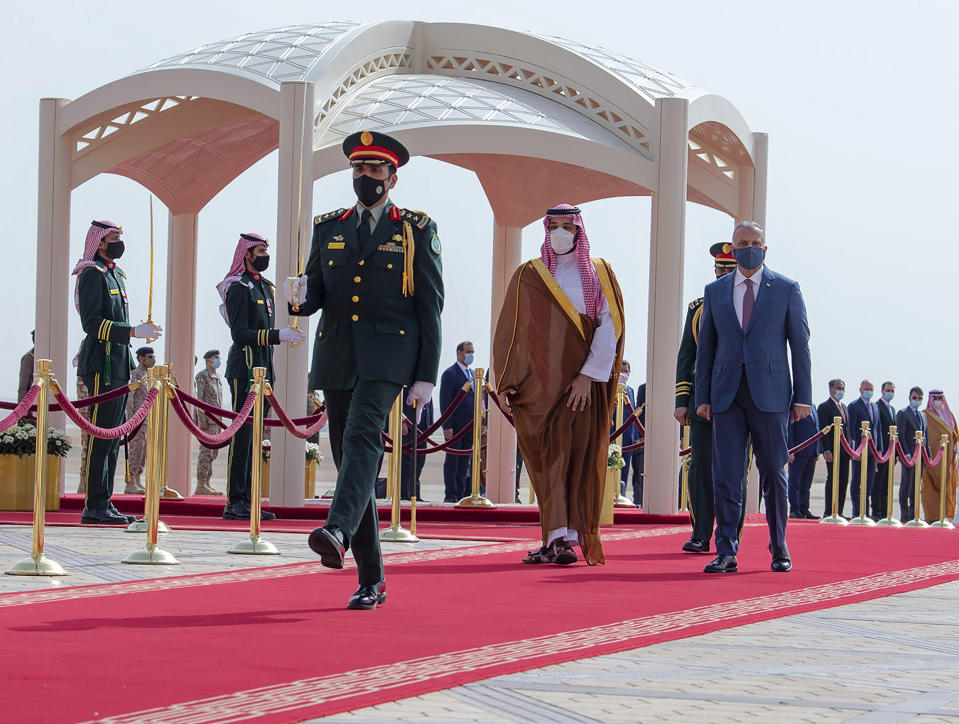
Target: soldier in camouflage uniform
(375,271)
(209,389)
(137,446)
(701,509)
(104,360)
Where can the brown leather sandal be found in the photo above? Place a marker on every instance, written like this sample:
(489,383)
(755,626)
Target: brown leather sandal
(544,554)
(563,553)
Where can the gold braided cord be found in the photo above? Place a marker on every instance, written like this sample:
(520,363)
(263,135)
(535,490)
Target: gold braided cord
(409,249)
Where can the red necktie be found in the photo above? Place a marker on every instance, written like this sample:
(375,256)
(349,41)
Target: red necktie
(748,302)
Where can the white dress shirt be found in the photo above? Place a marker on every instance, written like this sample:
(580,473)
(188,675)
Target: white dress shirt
(602,352)
(465,370)
(739,289)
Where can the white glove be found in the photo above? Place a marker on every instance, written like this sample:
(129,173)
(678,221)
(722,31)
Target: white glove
(291,335)
(420,393)
(147,330)
(295,289)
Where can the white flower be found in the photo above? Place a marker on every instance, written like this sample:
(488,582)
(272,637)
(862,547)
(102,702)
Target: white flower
(21,435)
(8,439)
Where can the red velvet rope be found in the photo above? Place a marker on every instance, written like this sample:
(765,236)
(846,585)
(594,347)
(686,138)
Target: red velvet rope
(20,411)
(223,437)
(630,409)
(806,443)
(215,412)
(441,447)
(908,461)
(105,433)
(447,413)
(79,404)
(634,446)
(880,457)
(854,454)
(290,426)
(495,398)
(932,462)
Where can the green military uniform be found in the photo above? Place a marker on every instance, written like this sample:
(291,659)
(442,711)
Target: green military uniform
(379,331)
(210,390)
(104,364)
(701,506)
(137,445)
(250,311)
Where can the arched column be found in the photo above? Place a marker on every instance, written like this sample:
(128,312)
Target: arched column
(295,194)
(667,240)
(54,284)
(179,326)
(501,438)
(760,176)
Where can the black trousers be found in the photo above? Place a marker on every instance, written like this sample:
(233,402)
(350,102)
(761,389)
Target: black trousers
(456,471)
(638,463)
(801,473)
(907,491)
(406,471)
(102,454)
(239,474)
(843,483)
(355,439)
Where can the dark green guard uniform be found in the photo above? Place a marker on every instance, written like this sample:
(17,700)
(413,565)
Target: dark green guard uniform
(701,508)
(104,362)
(381,292)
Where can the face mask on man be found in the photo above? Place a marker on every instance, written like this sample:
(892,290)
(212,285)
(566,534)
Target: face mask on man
(623,376)
(216,363)
(838,394)
(887,395)
(369,190)
(148,362)
(468,358)
(115,249)
(936,404)
(867,395)
(914,404)
(749,257)
(562,241)
(261,263)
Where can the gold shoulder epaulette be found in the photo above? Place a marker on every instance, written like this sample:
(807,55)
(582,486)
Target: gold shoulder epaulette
(320,218)
(119,272)
(695,303)
(420,218)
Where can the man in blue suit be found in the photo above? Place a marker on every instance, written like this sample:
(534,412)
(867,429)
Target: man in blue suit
(456,467)
(743,385)
(862,410)
(630,434)
(802,466)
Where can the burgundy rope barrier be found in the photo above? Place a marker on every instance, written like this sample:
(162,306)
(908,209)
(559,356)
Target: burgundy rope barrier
(214,412)
(880,457)
(633,446)
(854,454)
(78,404)
(437,447)
(495,398)
(221,439)
(631,410)
(20,411)
(815,438)
(447,413)
(932,462)
(685,451)
(631,421)
(290,426)
(907,460)
(105,433)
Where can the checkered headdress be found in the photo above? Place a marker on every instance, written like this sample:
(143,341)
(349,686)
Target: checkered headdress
(586,271)
(246,242)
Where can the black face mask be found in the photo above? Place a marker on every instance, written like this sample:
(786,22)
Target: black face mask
(115,249)
(369,190)
(260,263)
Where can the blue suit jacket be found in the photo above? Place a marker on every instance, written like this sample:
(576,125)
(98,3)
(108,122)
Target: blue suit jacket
(859,412)
(726,352)
(631,434)
(450,383)
(802,430)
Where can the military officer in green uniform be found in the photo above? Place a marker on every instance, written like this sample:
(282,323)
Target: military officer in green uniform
(104,362)
(701,509)
(249,309)
(375,271)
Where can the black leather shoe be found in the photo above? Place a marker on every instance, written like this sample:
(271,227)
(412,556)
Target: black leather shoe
(694,545)
(242,511)
(129,518)
(781,561)
(722,564)
(328,544)
(810,516)
(367,598)
(102,516)
(796,515)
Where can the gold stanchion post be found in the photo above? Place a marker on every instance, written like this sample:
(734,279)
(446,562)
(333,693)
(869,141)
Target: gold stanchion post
(943,521)
(155,427)
(891,521)
(621,501)
(396,533)
(684,492)
(476,500)
(166,493)
(917,521)
(835,518)
(863,517)
(37,564)
(152,554)
(255,545)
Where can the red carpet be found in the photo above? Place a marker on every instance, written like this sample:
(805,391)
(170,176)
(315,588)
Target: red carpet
(278,645)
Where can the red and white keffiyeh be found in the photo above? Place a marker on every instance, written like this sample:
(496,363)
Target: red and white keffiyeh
(587,272)
(95,234)
(246,242)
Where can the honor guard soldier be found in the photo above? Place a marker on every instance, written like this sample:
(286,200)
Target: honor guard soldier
(210,390)
(248,308)
(104,361)
(136,451)
(375,271)
(700,476)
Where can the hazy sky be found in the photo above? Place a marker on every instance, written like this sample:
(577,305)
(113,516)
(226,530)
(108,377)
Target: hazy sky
(856,98)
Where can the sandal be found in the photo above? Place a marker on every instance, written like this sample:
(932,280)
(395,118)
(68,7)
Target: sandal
(563,553)
(544,554)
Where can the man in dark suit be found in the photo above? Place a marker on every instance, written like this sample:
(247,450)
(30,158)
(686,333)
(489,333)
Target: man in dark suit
(375,271)
(834,407)
(862,410)
(630,434)
(802,466)
(639,456)
(743,385)
(908,420)
(406,470)
(887,418)
(456,468)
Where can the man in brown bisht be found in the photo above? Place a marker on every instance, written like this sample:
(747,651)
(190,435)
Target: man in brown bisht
(941,422)
(556,355)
